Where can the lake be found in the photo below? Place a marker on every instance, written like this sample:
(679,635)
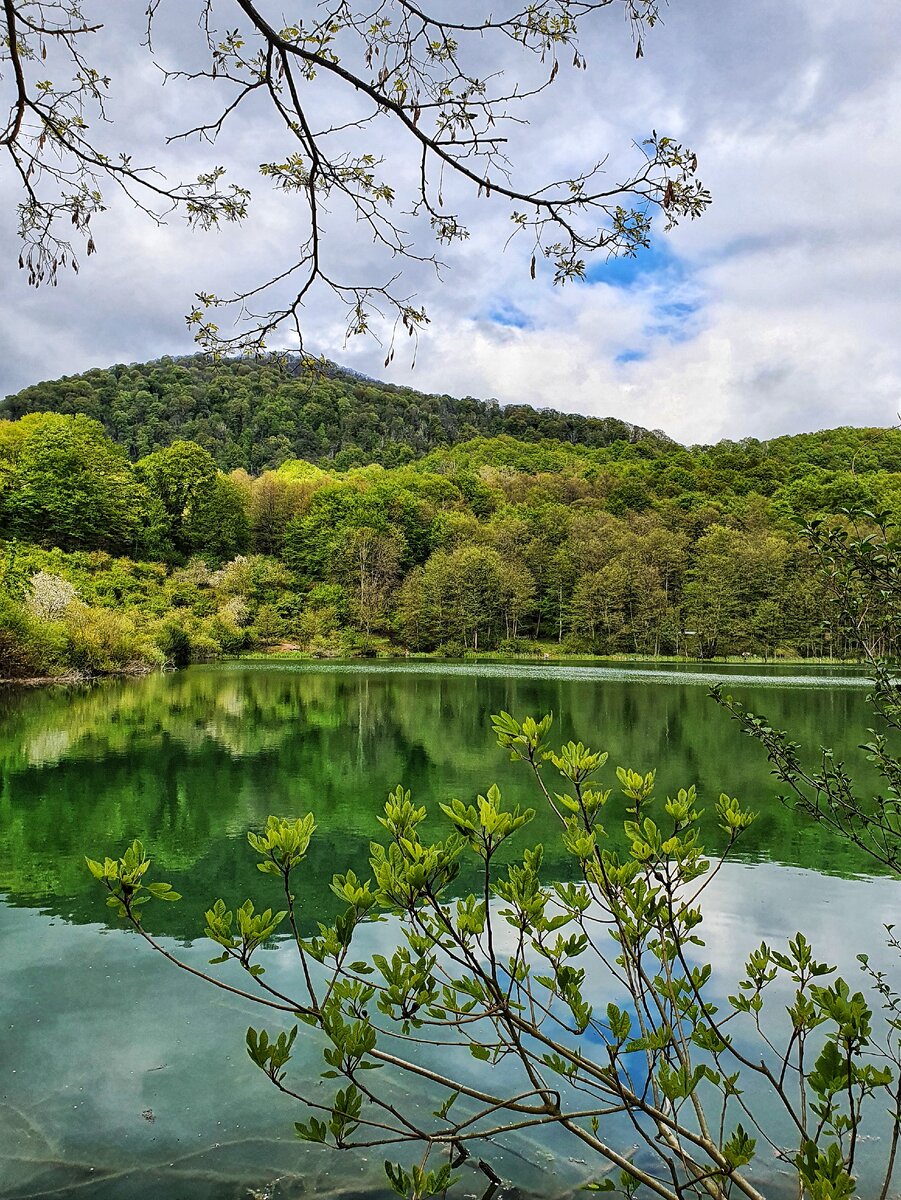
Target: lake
(122,1078)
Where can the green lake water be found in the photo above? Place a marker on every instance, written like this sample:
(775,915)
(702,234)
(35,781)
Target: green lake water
(122,1078)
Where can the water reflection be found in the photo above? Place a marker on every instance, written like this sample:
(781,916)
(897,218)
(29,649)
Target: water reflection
(189,761)
(125,1079)
(96,1033)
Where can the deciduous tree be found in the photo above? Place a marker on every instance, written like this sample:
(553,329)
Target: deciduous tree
(182,477)
(330,75)
(68,485)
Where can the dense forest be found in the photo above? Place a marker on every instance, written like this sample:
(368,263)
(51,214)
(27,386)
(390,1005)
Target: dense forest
(256,414)
(113,558)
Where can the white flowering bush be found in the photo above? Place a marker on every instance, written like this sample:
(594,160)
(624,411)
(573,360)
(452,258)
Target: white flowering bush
(49,596)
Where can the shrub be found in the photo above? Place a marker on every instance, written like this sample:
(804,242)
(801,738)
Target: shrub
(174,644)
(450,650)
(224,631)
(29,647)
(103,641)
(268,624)
(510,646)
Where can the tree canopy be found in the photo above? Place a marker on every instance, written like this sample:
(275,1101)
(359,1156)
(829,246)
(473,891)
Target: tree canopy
(259,414)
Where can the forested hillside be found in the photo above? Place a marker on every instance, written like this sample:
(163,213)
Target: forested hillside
(256,415)
(536,546)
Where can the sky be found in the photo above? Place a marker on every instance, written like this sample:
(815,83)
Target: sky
(777,312)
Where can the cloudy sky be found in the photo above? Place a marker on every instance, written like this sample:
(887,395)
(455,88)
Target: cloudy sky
(778,311)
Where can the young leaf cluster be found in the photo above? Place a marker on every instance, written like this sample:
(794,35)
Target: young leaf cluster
(593,995)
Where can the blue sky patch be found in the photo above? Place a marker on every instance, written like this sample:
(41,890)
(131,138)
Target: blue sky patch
(506,313)
(658,259)
(676,301)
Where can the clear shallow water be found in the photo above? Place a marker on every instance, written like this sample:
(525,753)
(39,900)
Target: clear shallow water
(96,1033)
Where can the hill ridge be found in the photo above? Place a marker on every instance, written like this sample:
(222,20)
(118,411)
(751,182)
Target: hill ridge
(257,414)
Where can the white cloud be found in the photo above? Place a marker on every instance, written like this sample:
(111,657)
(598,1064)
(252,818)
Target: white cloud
(793,278)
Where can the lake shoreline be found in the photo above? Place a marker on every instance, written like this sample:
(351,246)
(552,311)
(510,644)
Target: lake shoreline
(71,678)
(492,656)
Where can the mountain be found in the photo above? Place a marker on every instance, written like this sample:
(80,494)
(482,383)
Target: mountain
(258,414)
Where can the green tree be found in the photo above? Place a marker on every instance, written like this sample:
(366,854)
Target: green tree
(517,596)
(467,592)
(274,500)
(68,485)
(217,523)
(734,590)
(599,606)
(368,561)
(182,477)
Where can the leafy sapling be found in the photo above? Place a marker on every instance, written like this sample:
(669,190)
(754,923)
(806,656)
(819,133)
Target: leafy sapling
(580,1003)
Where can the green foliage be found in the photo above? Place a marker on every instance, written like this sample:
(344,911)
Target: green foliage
(174,644)
(418,1183)
(29,647)
(123,879)
(261,415)
(241,932)
(181,479)
(523,971)
(486,825)
(284,844)
(492,545)
(271,1056)
(219,527)
(66,484)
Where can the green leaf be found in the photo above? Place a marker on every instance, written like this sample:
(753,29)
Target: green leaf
(95,868)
